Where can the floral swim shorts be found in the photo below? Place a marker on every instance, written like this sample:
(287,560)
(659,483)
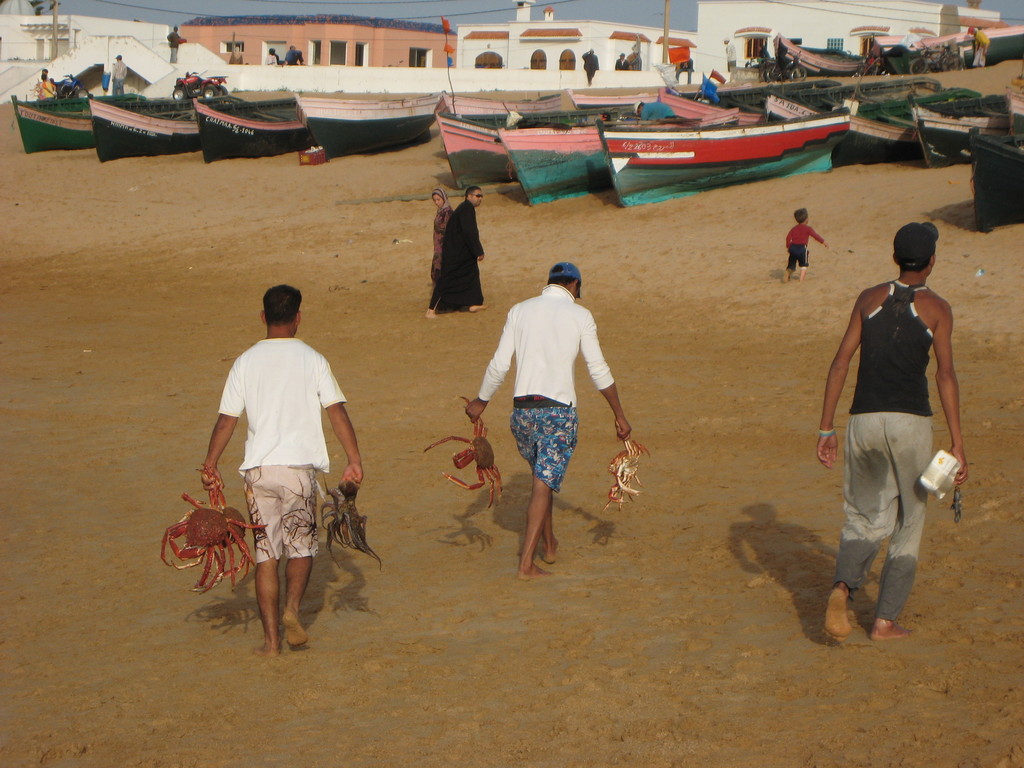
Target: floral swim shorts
(546,438)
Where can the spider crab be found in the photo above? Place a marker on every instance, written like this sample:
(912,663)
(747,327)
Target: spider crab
(624,467)
(343,523)
(479,451)
(211,535)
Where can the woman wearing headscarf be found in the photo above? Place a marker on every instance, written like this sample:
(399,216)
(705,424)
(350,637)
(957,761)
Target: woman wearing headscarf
(458,283)
(444,212)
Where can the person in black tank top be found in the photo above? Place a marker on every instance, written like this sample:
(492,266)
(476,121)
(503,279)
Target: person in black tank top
(896,326)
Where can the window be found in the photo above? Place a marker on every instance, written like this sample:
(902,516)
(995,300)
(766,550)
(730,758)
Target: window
(316,51)
(418,57)
(567,60)
(835,44)
(865,45)
(233,46)
(361,53)
(539,60)
(754,47)
(339,52)
(488,60)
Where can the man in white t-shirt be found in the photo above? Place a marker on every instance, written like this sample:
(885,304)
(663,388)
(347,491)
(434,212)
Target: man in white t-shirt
(282,384)
(546,333)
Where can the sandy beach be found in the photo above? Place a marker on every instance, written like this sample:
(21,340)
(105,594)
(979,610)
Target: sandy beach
(684,630)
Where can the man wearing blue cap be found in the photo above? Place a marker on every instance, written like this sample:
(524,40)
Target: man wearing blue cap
(546,333)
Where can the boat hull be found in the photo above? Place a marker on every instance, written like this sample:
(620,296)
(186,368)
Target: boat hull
(251,129)
(998,180)
(945,139)
(552,164)
(344,127)
(44,130)
(475,152)
(651,166)
(166,128)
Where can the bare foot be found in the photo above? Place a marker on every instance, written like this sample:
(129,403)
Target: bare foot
(837,621)
(888,630)
(478,308)
(293,631)
(533,573)
(266,651)
(431,314)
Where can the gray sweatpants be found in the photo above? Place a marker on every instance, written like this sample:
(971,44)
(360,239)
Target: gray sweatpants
(885,455)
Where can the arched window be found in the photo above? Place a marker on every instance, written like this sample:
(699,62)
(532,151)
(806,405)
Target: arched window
(488,60)
(567,60)
(539,60)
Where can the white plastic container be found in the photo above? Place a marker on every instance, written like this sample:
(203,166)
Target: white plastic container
(938,477)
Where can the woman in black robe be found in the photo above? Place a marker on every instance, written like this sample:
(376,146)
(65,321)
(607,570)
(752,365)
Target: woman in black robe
(458,284)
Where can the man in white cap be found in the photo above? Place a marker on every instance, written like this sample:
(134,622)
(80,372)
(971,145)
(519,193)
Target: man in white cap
(889,435)
(118,75)
(546,334)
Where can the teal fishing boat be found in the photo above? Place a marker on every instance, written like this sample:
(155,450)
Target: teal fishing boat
(53,124)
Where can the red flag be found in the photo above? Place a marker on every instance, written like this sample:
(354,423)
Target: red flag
(448,48)
(678,55)
(446,25)
(716,75)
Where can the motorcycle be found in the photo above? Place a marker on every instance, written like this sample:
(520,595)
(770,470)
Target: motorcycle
(194,86)
(70,88)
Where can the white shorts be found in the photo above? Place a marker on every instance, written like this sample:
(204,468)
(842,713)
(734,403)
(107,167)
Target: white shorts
(284,500)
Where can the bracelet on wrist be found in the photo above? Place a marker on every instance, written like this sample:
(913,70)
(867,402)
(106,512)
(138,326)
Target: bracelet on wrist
(826,433)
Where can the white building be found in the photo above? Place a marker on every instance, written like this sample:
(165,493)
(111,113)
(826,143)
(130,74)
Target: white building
(843,26)
(547,44)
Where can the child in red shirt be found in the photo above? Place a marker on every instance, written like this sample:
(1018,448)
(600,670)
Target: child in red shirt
(796,244)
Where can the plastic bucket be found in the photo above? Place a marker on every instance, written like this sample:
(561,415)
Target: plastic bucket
(106,81)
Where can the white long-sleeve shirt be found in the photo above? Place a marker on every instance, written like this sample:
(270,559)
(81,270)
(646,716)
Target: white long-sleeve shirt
(546,333)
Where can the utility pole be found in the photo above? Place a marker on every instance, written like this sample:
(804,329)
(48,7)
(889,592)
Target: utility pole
(55,4)
(664,38)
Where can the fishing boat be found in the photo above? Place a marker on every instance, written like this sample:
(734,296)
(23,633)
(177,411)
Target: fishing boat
(144,129)
(705,115)
(347,127)
(868,141)
(250,129)
(474,149)
(818,62)
(998,180)
(553,163)
(604,101)
(751,98)
(1015,104)
(651,163)
(53,124)
(474,106)
(943,129)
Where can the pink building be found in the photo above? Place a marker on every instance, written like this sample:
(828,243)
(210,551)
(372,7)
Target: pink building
(353,41)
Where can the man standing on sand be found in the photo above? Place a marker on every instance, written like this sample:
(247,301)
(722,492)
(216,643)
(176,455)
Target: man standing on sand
(281,384)
(457,288)
(889,435)
(546,333)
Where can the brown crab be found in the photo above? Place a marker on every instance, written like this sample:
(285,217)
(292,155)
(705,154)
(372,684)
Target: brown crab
(479,451)
(624,467)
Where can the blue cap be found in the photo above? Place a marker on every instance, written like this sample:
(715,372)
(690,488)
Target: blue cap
(565,269)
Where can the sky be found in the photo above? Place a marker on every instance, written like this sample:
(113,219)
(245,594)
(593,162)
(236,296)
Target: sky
(645,12)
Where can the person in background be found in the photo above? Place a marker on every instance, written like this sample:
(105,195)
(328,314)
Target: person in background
(653,110)
(273,60)
(444,212)
(294,57)
(590,65)
(458,283)
(730,55)
(46,88)
(889,434)
(174,40)
(621,64)
(796,244)
(981,43)
(117,76)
